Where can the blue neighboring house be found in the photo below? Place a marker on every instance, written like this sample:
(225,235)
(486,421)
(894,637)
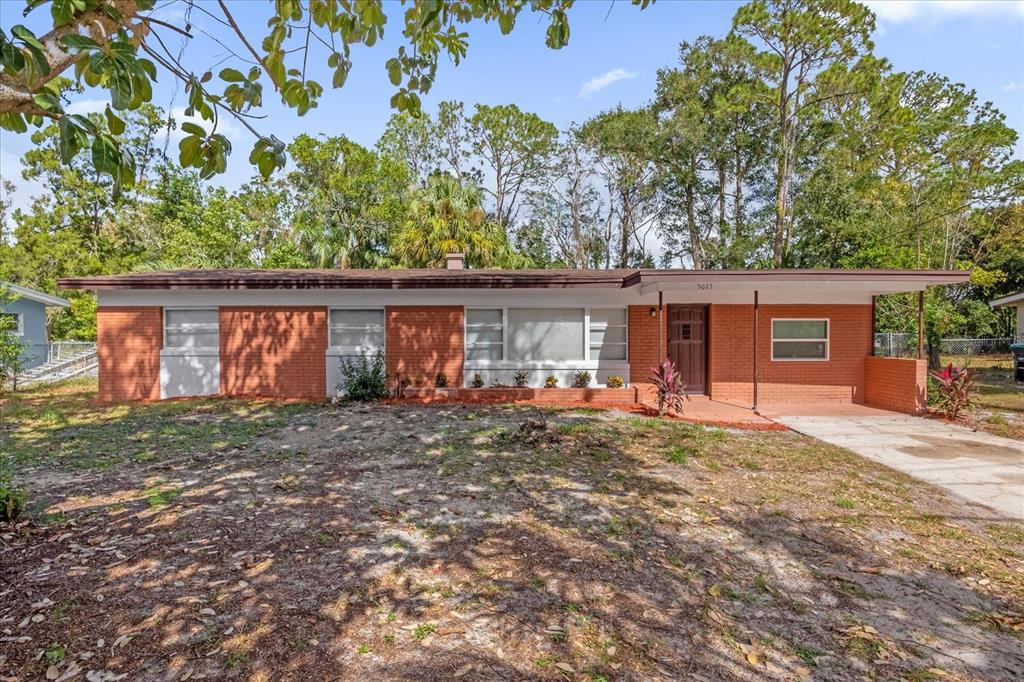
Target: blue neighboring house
(29,310)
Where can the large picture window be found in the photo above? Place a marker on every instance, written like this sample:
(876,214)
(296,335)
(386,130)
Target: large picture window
(195,328)
(802,339)
(357,331)
(545,334)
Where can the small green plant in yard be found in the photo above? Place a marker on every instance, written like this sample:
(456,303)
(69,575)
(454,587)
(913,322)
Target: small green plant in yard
(422,631)
(807,654)
(679,455)
(615,381)
(364,378)
(542,662)
(390,618)
(954,388)
(158,497)
(55,653)
(12,499)
(478,381)
(520,378)
(581,379)
(323,538)
(551,382)
(668,382)
(844,502)
(364,649)
(236,658)
(389,638)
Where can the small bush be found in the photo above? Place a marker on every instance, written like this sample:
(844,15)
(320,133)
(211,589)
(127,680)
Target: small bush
(955,388)
(12,500)
(441,380)
(670,387)
(401,383)
(364,378)
(581,379)
(551,382)
(615,381)
(520,378)
(478,381)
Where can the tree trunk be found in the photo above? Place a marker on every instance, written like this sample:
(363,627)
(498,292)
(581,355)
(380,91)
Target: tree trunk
(696,248)
(737,233)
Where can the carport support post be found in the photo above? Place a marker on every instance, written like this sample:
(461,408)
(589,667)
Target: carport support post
(661,331)
(874,323)
(755,350)
(920,324)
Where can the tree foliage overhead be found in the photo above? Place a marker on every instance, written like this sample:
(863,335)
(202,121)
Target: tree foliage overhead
(121,46)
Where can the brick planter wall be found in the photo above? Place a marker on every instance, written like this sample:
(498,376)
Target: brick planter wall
(897,384)
(537,395)
(273,351)
(128,343)
(425,340)
(838,380)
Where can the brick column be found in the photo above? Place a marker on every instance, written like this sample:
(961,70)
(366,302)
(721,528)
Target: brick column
(128,343)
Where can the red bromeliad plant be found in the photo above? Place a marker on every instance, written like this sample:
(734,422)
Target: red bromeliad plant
(668,382)
(955,387)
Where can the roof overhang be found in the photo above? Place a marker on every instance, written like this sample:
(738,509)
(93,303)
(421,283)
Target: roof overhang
(1012,299)
(644,281)
(33,295)
(874,282)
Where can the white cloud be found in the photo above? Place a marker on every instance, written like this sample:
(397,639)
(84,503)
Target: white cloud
(896,11)
(1012,86)
(601,82)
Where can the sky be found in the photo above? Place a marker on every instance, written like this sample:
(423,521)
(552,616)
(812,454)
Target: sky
(613,57)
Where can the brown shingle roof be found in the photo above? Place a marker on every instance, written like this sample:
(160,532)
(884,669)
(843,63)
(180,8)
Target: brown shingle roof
(475,279)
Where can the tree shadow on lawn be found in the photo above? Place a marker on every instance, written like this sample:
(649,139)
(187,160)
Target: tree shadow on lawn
(446,542)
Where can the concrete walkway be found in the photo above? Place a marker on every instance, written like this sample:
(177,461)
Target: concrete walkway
(977,466)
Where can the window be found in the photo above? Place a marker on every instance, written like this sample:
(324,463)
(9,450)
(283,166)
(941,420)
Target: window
(545,334)
(195,328)
(800,339)
(485,334)
(608,334)
(16,324)
(357,331)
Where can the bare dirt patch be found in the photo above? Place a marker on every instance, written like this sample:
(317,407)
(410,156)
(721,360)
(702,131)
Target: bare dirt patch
(490,542)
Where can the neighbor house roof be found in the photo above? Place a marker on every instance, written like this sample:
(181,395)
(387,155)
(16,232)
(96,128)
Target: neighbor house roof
(34,295)
(495,279)
(1012,299)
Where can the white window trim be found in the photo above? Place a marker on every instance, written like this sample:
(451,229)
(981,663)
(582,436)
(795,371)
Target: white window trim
(348,351)
(19,322)
(827,339)
(586,363)
(186,350)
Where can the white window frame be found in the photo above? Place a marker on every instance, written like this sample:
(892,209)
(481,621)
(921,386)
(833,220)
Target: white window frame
(827,339)
(348,352)
(504,332)
(191,349)
(606,327)
(504,361)
(19,322)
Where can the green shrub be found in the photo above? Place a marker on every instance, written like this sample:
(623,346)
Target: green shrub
(478,381)
(615,381)
(581,379)
(520,378)
(12,500)
(551,382)
(364,378)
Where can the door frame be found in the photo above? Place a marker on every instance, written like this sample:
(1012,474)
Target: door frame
(706,339)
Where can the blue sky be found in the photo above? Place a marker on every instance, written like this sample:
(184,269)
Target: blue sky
(613,56)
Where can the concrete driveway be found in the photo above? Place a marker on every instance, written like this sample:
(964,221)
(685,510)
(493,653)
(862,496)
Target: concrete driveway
(977,466)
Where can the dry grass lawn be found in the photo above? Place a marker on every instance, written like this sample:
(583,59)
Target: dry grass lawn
(251,541)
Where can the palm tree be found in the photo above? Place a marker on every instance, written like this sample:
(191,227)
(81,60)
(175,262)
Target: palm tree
(447,217)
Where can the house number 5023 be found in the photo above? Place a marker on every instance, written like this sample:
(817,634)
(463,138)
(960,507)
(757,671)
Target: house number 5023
(702,286)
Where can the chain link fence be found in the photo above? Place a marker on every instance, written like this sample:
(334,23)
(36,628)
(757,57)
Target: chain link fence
(904,345)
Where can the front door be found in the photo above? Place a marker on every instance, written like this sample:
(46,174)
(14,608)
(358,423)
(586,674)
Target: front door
(687,335)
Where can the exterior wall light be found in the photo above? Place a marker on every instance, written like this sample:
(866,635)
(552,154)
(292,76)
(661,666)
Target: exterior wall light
(653,312)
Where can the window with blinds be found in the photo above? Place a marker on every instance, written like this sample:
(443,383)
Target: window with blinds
(356,331)
(196,328)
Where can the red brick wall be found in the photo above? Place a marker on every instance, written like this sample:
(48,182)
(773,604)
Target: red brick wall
(644,341)
(275,351)
(424,340)
(730,357)
(898,384)
(128,343)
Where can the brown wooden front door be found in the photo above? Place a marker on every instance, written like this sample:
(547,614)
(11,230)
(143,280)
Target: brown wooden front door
(687,341)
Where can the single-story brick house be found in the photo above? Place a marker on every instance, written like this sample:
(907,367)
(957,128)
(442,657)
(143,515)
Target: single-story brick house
(747,336)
